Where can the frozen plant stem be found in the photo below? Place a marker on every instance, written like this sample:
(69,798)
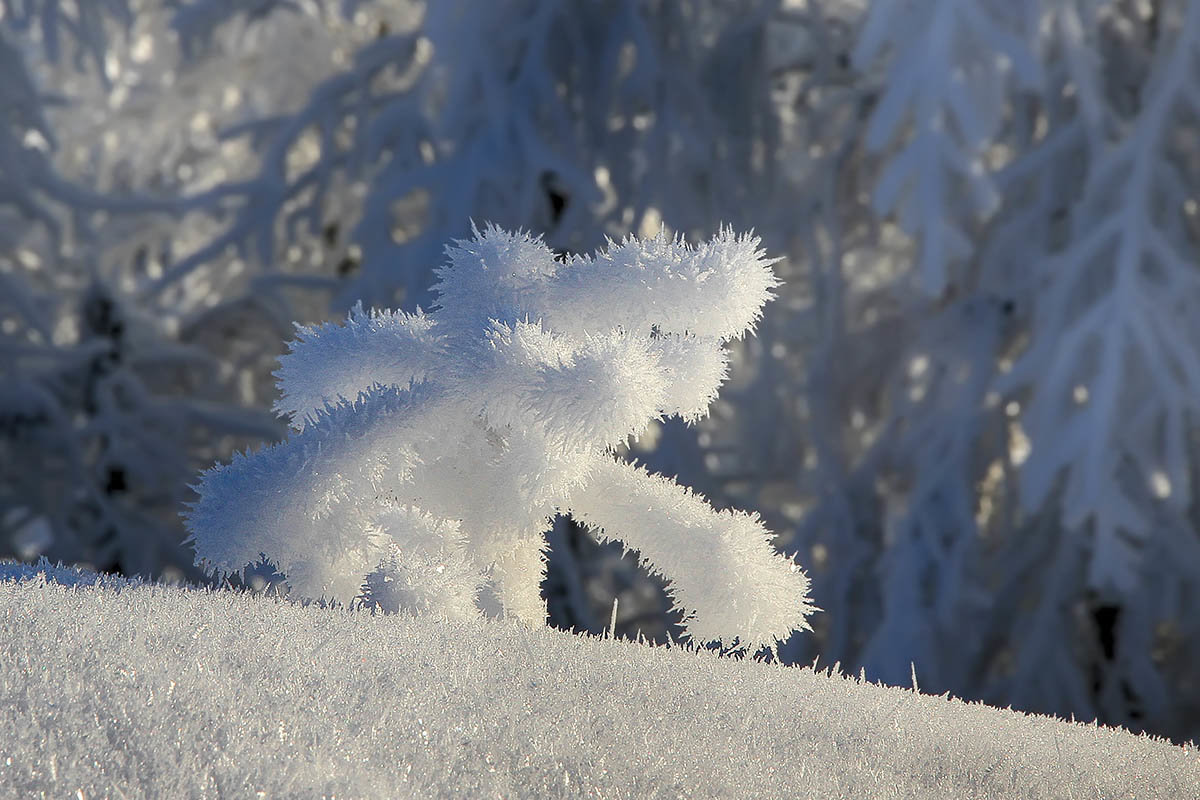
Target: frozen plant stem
(432,450)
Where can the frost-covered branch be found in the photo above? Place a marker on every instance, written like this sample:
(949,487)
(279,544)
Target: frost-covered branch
(952,64)
(447,449)
(1114,369)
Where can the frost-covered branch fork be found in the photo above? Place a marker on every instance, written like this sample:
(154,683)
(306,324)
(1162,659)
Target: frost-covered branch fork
(346,95)
(432,450)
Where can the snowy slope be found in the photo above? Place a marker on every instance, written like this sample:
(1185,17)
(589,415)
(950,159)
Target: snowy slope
(116,690)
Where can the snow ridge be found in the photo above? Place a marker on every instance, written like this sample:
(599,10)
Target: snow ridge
(126,691)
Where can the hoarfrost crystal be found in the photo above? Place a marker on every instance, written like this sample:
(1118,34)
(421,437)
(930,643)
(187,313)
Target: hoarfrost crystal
(431,450)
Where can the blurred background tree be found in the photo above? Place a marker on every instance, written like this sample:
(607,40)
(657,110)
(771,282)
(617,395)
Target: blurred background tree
(972,409)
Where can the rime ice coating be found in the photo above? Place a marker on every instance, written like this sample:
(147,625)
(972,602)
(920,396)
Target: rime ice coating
(432,449)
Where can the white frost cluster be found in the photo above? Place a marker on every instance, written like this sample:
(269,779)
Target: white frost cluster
(433,449)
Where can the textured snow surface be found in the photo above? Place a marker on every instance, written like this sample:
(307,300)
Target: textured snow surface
(111,689)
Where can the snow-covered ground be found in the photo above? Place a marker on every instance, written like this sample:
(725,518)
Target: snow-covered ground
(109,689)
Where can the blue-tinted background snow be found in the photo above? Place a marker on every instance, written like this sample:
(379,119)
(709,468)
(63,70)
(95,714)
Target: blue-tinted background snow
(111,689)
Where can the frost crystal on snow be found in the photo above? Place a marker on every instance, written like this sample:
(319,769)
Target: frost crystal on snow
(432,449)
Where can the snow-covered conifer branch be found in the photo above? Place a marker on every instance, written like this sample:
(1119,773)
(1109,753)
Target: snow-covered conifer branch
(436,448)
(952,63)
(1113,381)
